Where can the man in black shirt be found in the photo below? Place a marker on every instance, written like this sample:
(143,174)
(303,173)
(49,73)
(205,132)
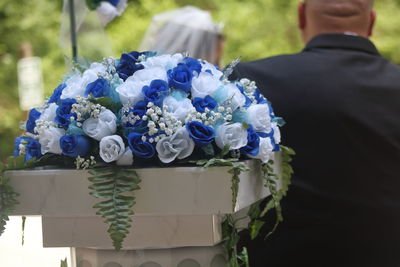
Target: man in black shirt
(341,102)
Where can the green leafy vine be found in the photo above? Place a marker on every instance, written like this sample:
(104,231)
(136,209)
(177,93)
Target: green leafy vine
(271,183)
(255,213)
(8,196)
(114,185)
(230,233)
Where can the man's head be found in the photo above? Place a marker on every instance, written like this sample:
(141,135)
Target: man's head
(336,16)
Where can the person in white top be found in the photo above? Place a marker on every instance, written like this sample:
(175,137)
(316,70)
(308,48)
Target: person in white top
(185,30)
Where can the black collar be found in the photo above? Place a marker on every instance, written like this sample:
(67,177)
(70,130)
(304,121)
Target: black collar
(344,41)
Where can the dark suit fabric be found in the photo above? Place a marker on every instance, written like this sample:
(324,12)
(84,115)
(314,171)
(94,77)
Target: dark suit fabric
(341,102)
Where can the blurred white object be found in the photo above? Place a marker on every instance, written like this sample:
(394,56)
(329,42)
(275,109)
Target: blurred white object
(187,29)
(30,82)
(107,12)
(89,28)
(32,254)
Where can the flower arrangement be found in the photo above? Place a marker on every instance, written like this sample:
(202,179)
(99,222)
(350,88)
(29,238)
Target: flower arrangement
(144,106)
(143,109)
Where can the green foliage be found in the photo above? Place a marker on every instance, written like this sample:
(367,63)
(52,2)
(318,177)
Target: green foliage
(236,169)
(8,196)
(108,103)
(115,185)
(23,230)
(8,201)
(64,263)
(270,181)
(230,233)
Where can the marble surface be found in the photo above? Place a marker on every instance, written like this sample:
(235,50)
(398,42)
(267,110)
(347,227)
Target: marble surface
(175,207)
(177,257)
(147,232)
(182,190)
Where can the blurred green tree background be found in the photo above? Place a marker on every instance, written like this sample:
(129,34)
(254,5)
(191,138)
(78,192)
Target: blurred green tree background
(254,29)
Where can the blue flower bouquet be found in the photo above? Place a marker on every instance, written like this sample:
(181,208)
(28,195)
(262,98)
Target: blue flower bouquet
(163,108)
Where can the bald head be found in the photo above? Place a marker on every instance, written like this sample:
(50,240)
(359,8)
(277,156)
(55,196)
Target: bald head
(336,16)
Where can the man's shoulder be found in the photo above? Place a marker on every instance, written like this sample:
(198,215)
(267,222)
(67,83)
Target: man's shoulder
(281,64)
(274,60)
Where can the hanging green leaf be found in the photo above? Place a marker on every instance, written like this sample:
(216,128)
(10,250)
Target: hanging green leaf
(271,183)
(115,186)
(230,233)
(23,230)
(8,196)
(64,263)
(8,201)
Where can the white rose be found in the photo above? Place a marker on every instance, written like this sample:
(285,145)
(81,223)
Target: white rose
(97,68)
(258,116)
(208,67)
(235,96)
(106,12)
(277,133)
(49,113)
(130,92)
(232,135)
(165,61)
(104,125)
(265,151)
(111,148)
(76,84)
(205,84)
(178,109)
(126,159)
(49,139)
(179,145)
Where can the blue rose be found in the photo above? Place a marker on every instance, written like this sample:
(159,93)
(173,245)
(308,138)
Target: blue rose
(17,142)
(202,103)
(63,112)
(193,64)
(253,143)
(74,145)
(98,88)
(33,150)
(139,109)
(201,134)
(128,63)
(113,2)
(180,77)
(31,122)
(139,148)
(156,92)
(55,97)
(32,147)
(259,97)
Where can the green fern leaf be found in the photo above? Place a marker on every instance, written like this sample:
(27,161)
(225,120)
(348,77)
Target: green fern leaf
(115,186)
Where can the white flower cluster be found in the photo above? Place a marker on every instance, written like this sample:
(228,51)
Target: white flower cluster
(210,117)
(83,164)
(250,88)
(84,109)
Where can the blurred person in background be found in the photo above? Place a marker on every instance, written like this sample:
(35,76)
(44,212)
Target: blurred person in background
(185,30)
(341,101)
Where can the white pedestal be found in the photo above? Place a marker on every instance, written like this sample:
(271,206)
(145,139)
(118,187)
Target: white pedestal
(178,212)
(178,257)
